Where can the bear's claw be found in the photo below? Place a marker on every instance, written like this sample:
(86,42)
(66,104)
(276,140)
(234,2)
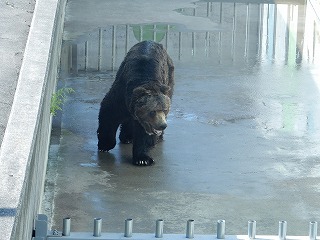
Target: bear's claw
(145,161)
(102,150)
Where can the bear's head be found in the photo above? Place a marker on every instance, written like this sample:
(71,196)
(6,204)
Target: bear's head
(150,106)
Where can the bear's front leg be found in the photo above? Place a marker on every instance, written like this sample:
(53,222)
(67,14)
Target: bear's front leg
(141,145)
(126,131)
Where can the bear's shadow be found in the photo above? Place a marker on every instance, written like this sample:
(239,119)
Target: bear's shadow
(121,154)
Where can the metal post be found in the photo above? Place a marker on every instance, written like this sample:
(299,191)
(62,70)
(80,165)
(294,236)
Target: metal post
(41,226)
(74,58)
(167,35)
(100,49)
(252,229)
(128,227)
(141,33)
(114,38)
(159,228)
(127,39)
(97,223)
(282,230)
(313,229)
(154,32)
(86,55)
(66,226)
(190,229)
(221,229)
(180,45)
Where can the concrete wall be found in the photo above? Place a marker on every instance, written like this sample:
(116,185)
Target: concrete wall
(24,150)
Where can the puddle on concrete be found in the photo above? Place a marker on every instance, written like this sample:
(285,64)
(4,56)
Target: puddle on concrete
(244,131)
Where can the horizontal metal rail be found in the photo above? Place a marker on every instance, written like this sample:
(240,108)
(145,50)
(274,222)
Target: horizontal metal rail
(42,233)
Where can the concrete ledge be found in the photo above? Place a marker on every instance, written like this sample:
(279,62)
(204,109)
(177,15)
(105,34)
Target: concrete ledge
(24,150)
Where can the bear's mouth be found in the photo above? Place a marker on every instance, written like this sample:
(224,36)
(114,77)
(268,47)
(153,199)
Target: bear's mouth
(151,131)
(157,132)
(154,132)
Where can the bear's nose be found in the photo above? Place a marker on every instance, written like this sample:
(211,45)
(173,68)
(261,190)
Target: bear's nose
(163,126)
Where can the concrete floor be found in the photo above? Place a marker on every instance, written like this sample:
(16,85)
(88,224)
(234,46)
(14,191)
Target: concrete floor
(242,143)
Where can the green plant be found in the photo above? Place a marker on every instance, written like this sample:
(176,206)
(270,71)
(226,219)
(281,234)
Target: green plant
(58,99)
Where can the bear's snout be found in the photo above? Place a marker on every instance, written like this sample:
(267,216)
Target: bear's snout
(160,122)
(162,127)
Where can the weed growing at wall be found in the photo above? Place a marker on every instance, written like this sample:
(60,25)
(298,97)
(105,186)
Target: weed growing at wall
(58,99)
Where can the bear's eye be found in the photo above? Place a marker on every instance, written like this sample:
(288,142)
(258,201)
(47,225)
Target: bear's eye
(152,113)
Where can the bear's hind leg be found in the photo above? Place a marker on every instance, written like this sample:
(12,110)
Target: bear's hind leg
(107,137)
(126,131)
(107,130)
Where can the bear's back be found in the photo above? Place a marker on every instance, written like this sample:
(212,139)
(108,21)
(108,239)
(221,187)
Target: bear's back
(146,61)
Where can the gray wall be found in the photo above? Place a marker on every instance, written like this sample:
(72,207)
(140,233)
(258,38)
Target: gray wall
(24,150)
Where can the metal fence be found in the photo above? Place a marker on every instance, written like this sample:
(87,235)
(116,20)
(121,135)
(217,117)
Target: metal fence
(42,233)
(250,33)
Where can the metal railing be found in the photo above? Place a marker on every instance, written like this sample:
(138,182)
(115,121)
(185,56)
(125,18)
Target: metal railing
(42,233)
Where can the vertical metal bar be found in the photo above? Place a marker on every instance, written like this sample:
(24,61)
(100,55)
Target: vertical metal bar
(313,229)
(127,39)
(190,229)
(159,228)
(86,53)
(194,38)
(221,229)
(252,229)
(180,45)
(69,58)
(74,58)
(220,20)
(314,41)
(274,32)
(282,230)
(287,37)
(167,35)
(207,44)
(220,47)
(193,44)
(128,227)
(261,12)
(141,33)
(66,226)
(233,32)
(113,46)
(154,32)
(100,49)
(97,224)
(246,45)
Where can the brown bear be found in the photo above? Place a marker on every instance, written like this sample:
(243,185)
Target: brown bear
(138,100)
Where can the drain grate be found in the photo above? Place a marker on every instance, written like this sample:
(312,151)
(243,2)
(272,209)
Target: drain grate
(41,232)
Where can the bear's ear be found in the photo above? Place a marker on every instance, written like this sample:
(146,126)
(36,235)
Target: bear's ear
(164,89)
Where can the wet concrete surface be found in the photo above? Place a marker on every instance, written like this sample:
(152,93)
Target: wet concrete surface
(242,140)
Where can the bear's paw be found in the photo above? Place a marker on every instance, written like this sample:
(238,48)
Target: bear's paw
(143,160)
